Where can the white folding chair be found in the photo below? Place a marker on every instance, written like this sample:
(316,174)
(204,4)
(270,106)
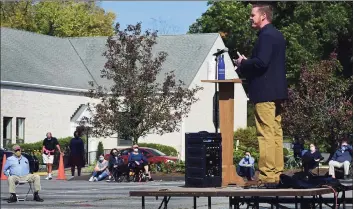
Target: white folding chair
(29,192)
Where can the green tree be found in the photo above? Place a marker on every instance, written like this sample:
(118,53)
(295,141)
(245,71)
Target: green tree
(137,104)
(312,29)
(100,150)
(58,18)
(319,109)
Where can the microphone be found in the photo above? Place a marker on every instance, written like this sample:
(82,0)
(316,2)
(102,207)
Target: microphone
(221,51)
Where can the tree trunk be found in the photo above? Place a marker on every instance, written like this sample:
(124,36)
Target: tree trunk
(334,146)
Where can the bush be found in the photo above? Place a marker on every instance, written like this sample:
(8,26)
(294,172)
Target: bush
(168,150)
(247,137)
(285,152)
(178,167)
(36,147)
(100,150)
(63,143)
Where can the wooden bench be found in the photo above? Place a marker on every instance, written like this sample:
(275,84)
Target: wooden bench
(239,196)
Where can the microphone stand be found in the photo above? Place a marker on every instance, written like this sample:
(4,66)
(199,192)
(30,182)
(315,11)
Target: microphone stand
(216,97)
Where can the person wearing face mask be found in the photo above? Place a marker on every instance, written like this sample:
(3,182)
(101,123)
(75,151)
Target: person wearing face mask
(77,154)
(101,170)
(17,169)
(341,159)
(138,159)
(245,168)
(116,165)
(310,159)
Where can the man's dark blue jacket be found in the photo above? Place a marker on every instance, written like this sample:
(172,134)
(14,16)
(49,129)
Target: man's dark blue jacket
(265,69)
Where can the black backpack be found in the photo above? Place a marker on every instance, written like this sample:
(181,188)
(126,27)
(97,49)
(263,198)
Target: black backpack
(298,182)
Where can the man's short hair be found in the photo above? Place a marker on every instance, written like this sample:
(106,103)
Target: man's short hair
(265,8)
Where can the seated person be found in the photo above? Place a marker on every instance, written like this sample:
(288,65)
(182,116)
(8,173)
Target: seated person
(17,169)
(116,164)
(138,159)
(298,147)
(310,159)
(341,158)
(101,170)
(245,168)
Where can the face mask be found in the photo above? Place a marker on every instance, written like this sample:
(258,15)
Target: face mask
(101,159)
(115,153)
(247,157)
(135,150)
(18,153)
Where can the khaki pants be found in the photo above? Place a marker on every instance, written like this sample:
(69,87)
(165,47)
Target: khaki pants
(270,139)
(334,164)
(35,179)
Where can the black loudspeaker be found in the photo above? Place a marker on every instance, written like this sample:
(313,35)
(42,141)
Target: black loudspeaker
(203,159)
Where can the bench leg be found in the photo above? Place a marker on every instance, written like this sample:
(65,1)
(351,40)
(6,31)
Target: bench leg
(165,205)
(296,202)
(209,202)
(143,202)
(195,202)
(343,196)
(320,197)
(234,201)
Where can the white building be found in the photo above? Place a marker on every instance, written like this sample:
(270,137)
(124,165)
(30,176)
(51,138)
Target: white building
(43,79)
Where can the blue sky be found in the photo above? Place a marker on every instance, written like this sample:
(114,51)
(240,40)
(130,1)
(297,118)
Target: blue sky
(169,17)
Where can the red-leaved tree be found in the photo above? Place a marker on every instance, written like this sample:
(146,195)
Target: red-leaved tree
(319,108)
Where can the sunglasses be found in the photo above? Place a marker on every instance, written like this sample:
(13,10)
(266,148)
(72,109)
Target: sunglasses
(17,150)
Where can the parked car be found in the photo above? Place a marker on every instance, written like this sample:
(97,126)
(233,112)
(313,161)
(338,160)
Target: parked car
(153,156)
(33,161)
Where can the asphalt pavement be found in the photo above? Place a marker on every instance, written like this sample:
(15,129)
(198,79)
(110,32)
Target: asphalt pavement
(58,194)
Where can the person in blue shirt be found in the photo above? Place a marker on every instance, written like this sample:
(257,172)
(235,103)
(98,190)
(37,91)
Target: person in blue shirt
(137,159)
(17,169)
(245,168)
(341,159)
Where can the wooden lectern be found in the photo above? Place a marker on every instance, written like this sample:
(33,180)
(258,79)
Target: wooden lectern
(226,114)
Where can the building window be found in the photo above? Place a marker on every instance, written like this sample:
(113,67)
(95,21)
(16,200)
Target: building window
(7,131)
(20,130)
(7,128)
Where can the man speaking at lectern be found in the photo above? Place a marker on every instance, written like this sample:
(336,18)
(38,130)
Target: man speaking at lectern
(267,87)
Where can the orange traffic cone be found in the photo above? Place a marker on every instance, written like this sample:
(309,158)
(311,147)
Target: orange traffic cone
(61,172)
(3,177)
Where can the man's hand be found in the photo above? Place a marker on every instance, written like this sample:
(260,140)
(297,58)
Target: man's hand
(239,59)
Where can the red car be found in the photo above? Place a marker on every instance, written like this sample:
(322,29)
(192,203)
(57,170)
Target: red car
(152,155)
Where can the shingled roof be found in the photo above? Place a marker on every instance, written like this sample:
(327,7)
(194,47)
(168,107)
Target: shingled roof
(72,62)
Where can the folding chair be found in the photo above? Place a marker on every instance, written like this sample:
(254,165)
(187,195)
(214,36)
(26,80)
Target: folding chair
(18,183)
(324,159)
